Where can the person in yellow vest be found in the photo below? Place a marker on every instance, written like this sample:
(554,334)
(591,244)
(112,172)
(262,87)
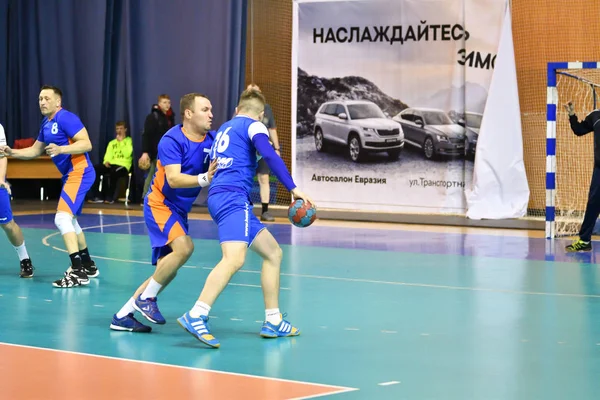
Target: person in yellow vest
(117,163)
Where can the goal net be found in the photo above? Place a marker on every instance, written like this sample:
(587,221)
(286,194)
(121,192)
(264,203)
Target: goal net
(569,158)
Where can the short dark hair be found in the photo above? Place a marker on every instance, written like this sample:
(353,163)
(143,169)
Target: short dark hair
(121,123)
(55,89)
(187,102)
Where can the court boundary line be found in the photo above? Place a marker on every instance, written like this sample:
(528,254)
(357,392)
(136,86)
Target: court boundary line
(336,278)
(341,389)
(328,223)
(45,242)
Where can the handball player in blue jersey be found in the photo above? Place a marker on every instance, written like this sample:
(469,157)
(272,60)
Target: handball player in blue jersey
(63,137)
(7,223)
(235,150)
(183,168)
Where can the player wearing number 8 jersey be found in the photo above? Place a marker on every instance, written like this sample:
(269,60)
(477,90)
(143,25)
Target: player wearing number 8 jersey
(235,151)
(183,168)
(63,137)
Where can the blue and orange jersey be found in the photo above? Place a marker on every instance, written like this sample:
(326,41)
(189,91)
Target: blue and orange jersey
(193,156)
(60,130)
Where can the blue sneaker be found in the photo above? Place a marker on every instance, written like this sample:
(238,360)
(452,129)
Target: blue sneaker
(149,309)
(284,329)
(128,323)
(198,328)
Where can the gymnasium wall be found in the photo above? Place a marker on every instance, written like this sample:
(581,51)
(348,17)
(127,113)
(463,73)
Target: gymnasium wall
(543,31)
(268,64)
(546,31)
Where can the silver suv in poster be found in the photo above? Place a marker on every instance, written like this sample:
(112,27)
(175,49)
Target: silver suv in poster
(360,126)
(432,131)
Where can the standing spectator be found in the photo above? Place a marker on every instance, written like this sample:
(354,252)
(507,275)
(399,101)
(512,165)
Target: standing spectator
(158,122)
(262,171)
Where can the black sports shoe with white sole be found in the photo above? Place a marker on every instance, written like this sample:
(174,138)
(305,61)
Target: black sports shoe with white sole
(26,268)
(71,279)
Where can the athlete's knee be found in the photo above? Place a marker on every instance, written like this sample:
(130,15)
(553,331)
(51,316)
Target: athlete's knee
(64,222)
(263,178)
(188,249)
(275,254)
(183,246)
(78,229)
(9,226)
(234,259)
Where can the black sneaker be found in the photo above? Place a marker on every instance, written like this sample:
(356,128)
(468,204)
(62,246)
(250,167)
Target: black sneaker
(26,268)
(91,270)
(72,278)
(579,245)
(68,281)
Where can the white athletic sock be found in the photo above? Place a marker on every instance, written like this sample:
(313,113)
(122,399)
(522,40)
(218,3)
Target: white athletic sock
(200,308)
(151,290)
(127,308)
(273,316)
(22,251)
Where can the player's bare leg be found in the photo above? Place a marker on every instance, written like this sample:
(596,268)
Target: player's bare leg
(167,266)
(265,194)
(15,237)
(267,247)
(89,266)
(69,229)
(234,255)
(195,321)
(13,233)
(71,242)
(264,187)
(144,298)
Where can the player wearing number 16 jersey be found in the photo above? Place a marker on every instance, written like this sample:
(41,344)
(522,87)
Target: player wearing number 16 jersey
(235,151)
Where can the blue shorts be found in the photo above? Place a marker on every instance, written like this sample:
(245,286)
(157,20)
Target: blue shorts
(164,225)
(76,184)
(5,210)
(232,211)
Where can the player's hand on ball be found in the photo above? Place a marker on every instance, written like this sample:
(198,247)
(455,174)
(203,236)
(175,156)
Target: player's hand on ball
(5,151)
(212,168)
(297,194)
(53,150)
(570,107)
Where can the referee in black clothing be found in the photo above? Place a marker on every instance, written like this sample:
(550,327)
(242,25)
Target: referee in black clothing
(591,123)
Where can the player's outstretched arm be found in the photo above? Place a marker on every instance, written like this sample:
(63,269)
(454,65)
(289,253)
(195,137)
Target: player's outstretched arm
(579,128)
(81,144)
(177,180)
(276,164)
(24,154)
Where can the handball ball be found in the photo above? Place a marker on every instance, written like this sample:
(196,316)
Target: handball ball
(144,165)
(301,213)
